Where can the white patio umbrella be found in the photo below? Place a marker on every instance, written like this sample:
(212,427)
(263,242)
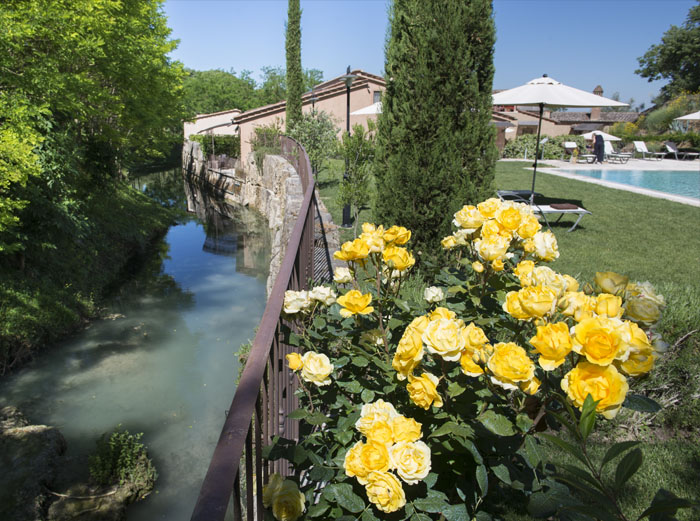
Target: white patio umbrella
(606,136)
(689,117)
(374,108)
(548,92)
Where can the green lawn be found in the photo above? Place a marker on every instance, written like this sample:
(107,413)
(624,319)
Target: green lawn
(647,239)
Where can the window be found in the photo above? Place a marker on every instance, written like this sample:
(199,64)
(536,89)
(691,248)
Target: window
(377,96)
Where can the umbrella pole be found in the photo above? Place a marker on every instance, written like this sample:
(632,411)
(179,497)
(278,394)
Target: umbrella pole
(537,154)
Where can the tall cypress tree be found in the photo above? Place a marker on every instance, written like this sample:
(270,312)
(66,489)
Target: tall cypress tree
(295,76)
(436,148)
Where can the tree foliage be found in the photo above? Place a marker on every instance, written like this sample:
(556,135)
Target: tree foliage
(205,92)
(675,59)
(435,145)
(316,131)
(295,77)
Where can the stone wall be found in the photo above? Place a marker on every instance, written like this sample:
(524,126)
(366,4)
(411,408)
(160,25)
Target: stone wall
(275,191)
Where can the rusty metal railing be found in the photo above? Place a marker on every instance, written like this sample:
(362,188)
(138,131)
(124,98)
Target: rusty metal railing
(266,391)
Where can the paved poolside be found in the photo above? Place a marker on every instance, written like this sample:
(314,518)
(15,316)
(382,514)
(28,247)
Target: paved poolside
(550,166)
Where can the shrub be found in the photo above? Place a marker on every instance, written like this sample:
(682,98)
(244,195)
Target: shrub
(316,131)
(217,145)
(552,149)
(122,459)
(266,141)
(423,405)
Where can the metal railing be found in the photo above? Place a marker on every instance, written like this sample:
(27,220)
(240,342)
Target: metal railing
(266,391)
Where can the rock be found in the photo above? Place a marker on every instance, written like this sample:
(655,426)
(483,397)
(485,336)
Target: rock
(29,457)
(84,503)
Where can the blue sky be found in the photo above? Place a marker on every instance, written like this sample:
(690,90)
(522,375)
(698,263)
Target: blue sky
(582,43)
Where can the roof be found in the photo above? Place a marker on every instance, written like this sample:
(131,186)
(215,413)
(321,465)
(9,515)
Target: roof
(585,117)
(321,91)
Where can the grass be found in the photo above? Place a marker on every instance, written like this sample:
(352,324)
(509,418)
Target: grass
(647,239)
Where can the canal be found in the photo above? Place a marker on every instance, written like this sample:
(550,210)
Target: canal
(165,359)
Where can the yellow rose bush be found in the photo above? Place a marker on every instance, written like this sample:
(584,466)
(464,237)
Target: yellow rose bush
(421,398)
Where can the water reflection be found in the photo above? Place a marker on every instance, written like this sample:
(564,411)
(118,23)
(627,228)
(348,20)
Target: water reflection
(164,361)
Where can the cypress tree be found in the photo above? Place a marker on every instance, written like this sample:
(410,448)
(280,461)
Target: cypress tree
(436,147)
(295,76)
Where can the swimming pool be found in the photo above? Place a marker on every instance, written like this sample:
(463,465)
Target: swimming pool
(685,183)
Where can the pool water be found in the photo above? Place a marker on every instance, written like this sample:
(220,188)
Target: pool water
(683,183)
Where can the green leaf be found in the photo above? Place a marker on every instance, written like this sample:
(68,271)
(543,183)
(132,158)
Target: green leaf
(455,513)
(430,480)
(420,517)
(627,467)
(298,414)
(318,509)
(496,423)
(432,504)
(294,339)
(452,428)
(455,389)
(587,420)
(502,473)
(574,451)
(353,386)
(532,451)
(346,497)
(482,479)
(482,515)
(319,322)
(402,304)
(359,361)
(316,418)
(523,422)
(367,395)
(640,403)
(583,475)
(368,515)
(616,450)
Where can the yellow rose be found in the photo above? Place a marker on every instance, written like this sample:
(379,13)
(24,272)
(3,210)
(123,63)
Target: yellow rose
(529,245)
(294,361)
(497,265)
(537,301)
(642,310)
(477,266)
(531,386)
(639,362)
(270,490)
(474,336)
(448,242)
(284,497)
(316,368)
(373,236)
(342,275)
(398,258)
(509,365)
(353,463)
(488,208)
(602,383)
(443,337)
(601,340)
(354,303)
(608,305)
(409,352)
(423,391)
(411,460)
(529,227)
(381,432)
(611,282)
(440,312)
(356,250)
(546,276)
(288,503)
(375,456)
(397,235)
(571,283)
(508,217)
(553,343)
(492,248)
(378,410)
(468,363)
(385,491)
(468,218)
(576,304)
(462,236)
(420,323)
(492,228)
(646,290)
(512,306)
(524,272)
(546,246)
(405,429)
(296,301)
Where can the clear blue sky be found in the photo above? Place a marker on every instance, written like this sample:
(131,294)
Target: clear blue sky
(582,43)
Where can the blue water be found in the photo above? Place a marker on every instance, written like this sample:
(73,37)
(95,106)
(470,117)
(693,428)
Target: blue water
(672,182)
(164,361)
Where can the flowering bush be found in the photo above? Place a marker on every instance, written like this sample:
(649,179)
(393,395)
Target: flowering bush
(422,406)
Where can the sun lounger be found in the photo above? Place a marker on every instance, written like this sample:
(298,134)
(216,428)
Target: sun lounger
(673,149)
(615,157)
(543,210)
(641,147)
(570,146)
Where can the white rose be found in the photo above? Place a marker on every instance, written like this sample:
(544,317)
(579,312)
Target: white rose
(546,246)
(296,301)
(323,294)
(433,294)
(342,275)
